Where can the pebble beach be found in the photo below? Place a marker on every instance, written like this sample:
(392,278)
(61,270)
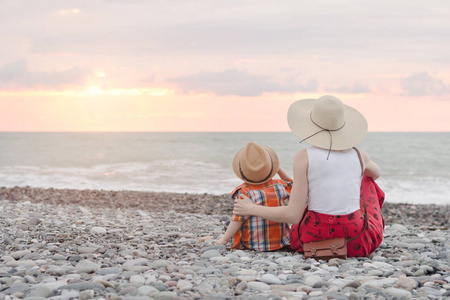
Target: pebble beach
(90,244)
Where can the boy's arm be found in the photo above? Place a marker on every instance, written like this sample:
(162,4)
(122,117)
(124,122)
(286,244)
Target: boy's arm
(233,227)
(283,175)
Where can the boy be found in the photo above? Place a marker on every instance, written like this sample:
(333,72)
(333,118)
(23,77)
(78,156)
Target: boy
(257,165)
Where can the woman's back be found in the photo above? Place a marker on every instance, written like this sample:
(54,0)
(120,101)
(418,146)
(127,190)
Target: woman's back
(334,183)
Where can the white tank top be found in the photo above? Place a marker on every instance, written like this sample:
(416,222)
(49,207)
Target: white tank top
(334,184)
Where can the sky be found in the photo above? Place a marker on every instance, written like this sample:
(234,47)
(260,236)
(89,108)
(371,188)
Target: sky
(191,65)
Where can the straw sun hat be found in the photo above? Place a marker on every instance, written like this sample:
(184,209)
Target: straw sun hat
(255,164)
(327,123)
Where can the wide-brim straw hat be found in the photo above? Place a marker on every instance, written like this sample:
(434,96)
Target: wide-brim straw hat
(256,164)
(327,123)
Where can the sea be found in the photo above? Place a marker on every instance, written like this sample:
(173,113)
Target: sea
(415,167)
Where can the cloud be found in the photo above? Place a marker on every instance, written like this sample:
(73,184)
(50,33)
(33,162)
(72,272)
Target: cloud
(357,88)
(238,83)
(334,31)
(17,75)
(422,84)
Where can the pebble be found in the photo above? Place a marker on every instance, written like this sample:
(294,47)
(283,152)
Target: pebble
(77,252)
(184,286)
(98,230)
(258,286)
(146,289)
(19,254)
(397,228)
(137,279)
(270,279)
(87,294)
(406,283)
(398,293)
(87,266)
(312,280)
(81,286)
(211,254)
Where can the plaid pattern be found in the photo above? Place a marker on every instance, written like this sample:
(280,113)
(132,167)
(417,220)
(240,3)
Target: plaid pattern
(257,233)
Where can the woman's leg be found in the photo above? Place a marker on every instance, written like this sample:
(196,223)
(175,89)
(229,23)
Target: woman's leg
(372,237)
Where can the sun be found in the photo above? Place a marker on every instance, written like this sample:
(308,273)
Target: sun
(94,91)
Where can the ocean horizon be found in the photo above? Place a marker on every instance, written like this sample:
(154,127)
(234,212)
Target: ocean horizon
(413,164)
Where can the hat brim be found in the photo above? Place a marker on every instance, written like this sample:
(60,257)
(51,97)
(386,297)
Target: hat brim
(275,161)
(300,123)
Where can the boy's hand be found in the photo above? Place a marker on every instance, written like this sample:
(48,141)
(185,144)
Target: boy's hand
(221,241)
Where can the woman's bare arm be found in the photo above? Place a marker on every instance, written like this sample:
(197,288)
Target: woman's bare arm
(371,169)
(293,212)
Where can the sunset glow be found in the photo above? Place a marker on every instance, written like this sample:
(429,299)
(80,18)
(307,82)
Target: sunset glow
(80,69)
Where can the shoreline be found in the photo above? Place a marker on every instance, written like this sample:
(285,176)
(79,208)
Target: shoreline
(426,215)
(67,244)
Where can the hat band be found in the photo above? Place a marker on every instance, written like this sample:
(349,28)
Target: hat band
(323,129)
(252,181)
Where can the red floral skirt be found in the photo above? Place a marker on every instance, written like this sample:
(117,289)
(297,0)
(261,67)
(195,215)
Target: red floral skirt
(317,226)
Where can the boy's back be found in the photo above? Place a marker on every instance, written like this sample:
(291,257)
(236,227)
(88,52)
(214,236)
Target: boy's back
(257,233)
(257,165)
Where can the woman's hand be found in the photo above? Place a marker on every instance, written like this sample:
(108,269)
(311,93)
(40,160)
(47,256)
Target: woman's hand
(243,206)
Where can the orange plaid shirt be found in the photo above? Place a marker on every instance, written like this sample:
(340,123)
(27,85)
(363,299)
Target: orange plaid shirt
(257,233)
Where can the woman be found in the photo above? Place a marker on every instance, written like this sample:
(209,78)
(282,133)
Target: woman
(328,180)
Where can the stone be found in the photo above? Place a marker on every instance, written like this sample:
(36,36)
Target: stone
(398,227)
(157,264)
(127,290)
(241,287)
(398,293)
(19,254)
(18,287)
(104,282)
(287,287)
(98,230)
(87,294)
(70,294)
(321,284)
(184,285)
(84,250)
(215,247)
(406,283)
(34,221)
(379,283)
(138,262)
(81,286)
(43,291)
(137,279)
(270,279)
(86,266)
(160,286)
(334,262)
(377,273)
(312,280)
(210,254)
(146,289)
(108,271)
(258,286)
(164,295)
